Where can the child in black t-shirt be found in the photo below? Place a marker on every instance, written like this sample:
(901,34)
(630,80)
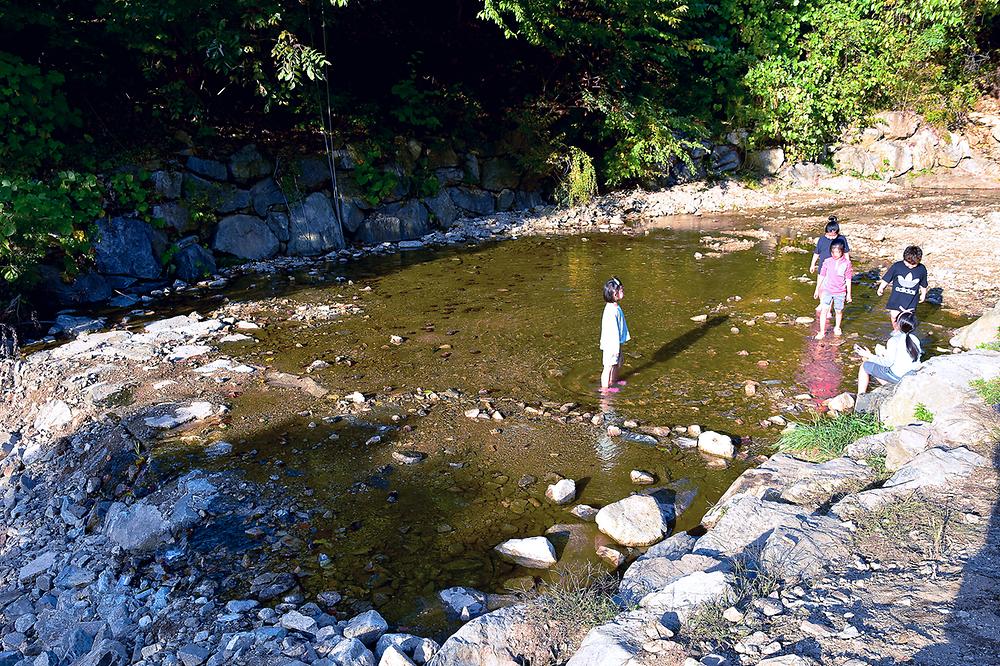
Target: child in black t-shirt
(908,279)
(823,243)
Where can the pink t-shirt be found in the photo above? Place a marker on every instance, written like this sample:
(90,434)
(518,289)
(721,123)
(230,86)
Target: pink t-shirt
(835,273)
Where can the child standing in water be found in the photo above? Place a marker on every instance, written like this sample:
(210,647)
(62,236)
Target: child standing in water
(908,279)
(614,331)
(834,286)
(823,243)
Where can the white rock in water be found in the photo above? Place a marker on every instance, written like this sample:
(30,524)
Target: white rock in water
(533,552)
(700,318)
(841,403)
(472,413)
(463,603)
(584,512)
(716,444)
(770,315)
(562,492)
(804,320)
(641,477)
(357,397)
(638,520)
(193,412)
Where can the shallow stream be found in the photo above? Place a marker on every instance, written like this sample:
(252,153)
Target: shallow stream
(519,321)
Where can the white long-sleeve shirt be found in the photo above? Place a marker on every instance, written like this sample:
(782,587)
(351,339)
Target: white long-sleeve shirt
(614,330)
(896,358)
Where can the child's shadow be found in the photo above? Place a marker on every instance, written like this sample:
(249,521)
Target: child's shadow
(678,345)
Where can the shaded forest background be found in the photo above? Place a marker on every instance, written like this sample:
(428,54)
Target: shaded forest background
(630,85)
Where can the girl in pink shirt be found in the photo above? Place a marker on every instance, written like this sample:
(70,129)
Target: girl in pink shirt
(833,287)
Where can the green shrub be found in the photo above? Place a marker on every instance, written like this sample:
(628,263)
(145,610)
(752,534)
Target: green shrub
(33,111)
(988,390)
(921,413)
(39,217)
(825,439)
(579,182)
(375,181)
(993,345)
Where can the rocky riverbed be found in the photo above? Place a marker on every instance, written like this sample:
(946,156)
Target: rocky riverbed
(131,536)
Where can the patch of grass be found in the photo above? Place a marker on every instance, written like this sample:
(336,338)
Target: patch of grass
(825,439)
(877,463)
(706,626)
(582,595)
(915,525)
(578,600)
(921,413)
(988,390)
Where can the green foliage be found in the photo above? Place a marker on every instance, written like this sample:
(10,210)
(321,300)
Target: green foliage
(826,438)
(132,193)
(33,110)
(375,181)
(579,182)
(921,413)
(416,107)
(988,390)
(38,217)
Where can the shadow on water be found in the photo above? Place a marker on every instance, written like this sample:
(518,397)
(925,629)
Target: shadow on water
(678,345)
(972,632)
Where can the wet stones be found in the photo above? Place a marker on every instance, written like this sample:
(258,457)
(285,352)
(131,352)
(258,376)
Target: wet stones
(562,492)
(532,552)
(271,585)
(463,603)
(638,520)
(584,512)
(716,444)
(408,457)
(641,477)
(367,627)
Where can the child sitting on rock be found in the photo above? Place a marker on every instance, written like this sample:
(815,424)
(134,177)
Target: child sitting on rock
(834,286)
(900,356)
(614,332)
(908,279)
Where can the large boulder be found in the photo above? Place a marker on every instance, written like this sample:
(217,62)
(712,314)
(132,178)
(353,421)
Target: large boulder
(766,162)
(245,236)
(137,528)
(533,552)
(472,201)
(443,209)
(193,262)
(313,228)
(266,194)
(175,215)
(615,643)
(940,384)
(642,520)
(352,213)
(953,151)
(221,197)
(407,220)
(724,159)
(855,160)
(923,149)
(685,594)
(125,247)
(777,473)
(891,158)
(716,444)
(934,468)
(983,330)
(828,481)
(749,521)
(651,574)
(898,124)
(248,164)
(511,636)
(208,168)
(499,173)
